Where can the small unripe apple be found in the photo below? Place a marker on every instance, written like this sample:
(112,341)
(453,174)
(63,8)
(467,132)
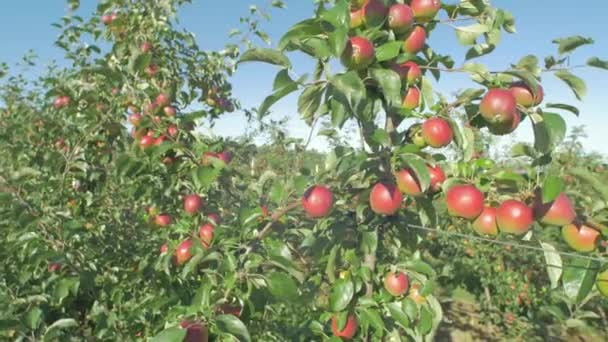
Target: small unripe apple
(408,183)
(192,204)
(409,72)
(348,331)
(580,237)
(411,100)
(425,10)
(374,12)
(162,220)
(356,19)
(170,111)
(162,99)
(498,107)
(514,217)
(396,284)
(205,232)
(465,201)
(559,212)
(400,18)
(486,224)
(385,199)
(601,283)
(437,177)
(225,156)
(183,252)
(414,134)
(145,47)
(317,201)
(437,132)
(415,40)
(146,141)
(358,54)
(524,96)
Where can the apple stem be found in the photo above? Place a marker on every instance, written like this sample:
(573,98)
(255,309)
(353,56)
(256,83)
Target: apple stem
(275,217)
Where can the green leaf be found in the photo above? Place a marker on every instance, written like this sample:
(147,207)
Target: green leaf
(310,100)
(372,317)
(390,83)
(575,83)
(299,31)
(398,315)
(32,319)
(523,149)
(525,76)
(380,137)
(204,176)
(341,294)
(530,64)
(63,323)
(282,286)
(578,278)
(418,165)
(597,63)
(369,242)
(348,89)
(425,324)
(172,334)
(552,187)
(388,50)
(337,40)
(563,106)
(420,267)
(338,15)
(569,44)
(265,55)
(554,264)
(232,325)
(141,62)
(549,132)
(467,35)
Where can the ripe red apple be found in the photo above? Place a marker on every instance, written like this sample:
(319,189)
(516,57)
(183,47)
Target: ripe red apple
(408,183)
(195,332)
(400,18)
(317,201)
(348,331)
(514,217)
(107,19)
(62,101)
(158,141)
(183,252)
(415,40)
(385,199)
(524,95)
(580,237)
(145,47)
(205,232)
(374,12)
(602,283)
(135,119)
(192,204)
(214,218)
(411,100)
(162,220)
(162,99)
(559,212)
(146,141)
(358,54)
(164,248)
(396,284)
(409,72)
(54,267)
(437,132)
(437,177)
(498,107)
(225,156)
(356,18)
(152,70)
(486,224)
(425,10)
(170,111)
(172,130)
(465,201)
(265,212)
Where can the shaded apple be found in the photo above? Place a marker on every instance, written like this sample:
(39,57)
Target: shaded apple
(162,220)
(374,12)
(317,201)
(437,132)
(135,119)
(54,267)
(502,128)
(580,237)
(409,72)
(437,177)
(411,100)
(162,99)
(348,331)
(170,110)
(396,284)
(524,96)
(183,252)
(205,232)
(146,141)
(356,19)
(164,248)
(358,54)
(408,183)
(486,224)
(514,217)
(425,10)
(558,212)
(214,218)
(415,40)
(225,156)
(400,18)
(465,201)
(385,199)
(192,204)
(172,130)
(195,331)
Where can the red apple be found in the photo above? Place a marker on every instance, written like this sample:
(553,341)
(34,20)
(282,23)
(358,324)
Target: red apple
(135,119)
(183,252)
(409,72)
(465,201)
(54,267)
(356,18)
(192,204)
(348,331)
(425,10)
(170,111)
(162,220)
(172,130)
(195,332)
(559,212)
(580,237)
(524,96)
(317,201)
(205,232)
(374,12)
(146,141)
(415,40)
(400,18)
(498,107)
(145,47)
(411,100)
(486,224)
(225,156)
(385,199)
(437,132)
(107,19)
(162,99)
(164,248)
(152,70)
(437,177)
(396,284)
(158,141)
(408,183)
(514,217)
(358,54)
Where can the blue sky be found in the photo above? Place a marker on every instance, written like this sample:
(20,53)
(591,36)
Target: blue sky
(25,25)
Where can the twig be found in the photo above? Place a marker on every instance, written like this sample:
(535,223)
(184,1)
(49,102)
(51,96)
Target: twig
(275,217)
